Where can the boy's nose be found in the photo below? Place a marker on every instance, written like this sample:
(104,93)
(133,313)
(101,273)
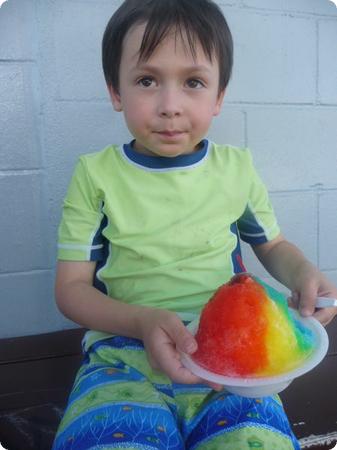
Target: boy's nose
(169,104)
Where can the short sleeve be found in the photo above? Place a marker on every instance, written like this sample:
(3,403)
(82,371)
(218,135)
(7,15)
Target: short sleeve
(258,223)
(80,231)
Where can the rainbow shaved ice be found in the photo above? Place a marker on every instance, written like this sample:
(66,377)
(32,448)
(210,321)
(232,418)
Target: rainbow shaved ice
(246,330)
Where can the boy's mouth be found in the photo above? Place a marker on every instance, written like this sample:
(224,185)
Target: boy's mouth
(170,133)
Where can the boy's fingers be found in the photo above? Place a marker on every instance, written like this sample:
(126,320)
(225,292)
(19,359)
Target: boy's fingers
(182,337)
(292,303)
(325,315)
(294,299)
(307,300)
(168,358)
(169,362)
(214,386)
(153,363)
(184,376)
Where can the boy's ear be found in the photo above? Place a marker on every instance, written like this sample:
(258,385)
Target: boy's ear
(219,102)
(115,98)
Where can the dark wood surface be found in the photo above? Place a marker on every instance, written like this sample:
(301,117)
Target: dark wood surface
(49,345)
(311,400)
(38,369)
(37,372)
(36,375)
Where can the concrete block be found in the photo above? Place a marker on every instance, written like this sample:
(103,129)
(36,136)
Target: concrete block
(19,139)
(18,30)
(228,2)
(296,213)
(297,216)
(78,33)
(331,275)
(28,305)
(12,83)
(274,58)
(228,127)
(74,128)
(327,74)
(22,238)
(306,6)
(294,148)
(328,230)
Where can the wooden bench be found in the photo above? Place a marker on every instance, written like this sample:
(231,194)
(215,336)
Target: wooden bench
(37,372)
(36,375)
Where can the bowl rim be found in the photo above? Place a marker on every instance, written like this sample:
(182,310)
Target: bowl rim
(311,361)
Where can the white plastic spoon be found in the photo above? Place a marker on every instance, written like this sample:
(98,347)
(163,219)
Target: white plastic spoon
(326,302)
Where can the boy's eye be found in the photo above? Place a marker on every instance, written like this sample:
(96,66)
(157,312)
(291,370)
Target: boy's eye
(146,81)
(194,83)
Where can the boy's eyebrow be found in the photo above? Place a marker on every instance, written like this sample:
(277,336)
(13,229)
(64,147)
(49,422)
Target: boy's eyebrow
(157,69)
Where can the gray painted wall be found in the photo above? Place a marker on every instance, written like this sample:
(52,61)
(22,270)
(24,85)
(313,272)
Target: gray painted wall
(282,103)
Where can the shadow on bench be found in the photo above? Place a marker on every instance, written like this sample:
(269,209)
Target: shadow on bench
(37,372)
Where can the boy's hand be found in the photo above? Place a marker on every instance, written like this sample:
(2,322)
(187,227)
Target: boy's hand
(287,264)
(310,283)
(163,334)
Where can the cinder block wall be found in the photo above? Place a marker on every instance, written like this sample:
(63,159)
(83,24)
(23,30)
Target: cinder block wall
(281,102)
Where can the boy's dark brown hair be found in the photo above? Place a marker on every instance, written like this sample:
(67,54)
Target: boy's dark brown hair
(192,20)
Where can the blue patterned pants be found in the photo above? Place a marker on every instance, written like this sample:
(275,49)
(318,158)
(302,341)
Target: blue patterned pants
(118,401)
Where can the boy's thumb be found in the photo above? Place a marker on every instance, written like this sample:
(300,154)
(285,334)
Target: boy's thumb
(307,301)
(184,339)
(191,346)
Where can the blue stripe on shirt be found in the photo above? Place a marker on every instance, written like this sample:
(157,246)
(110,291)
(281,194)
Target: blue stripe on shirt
(249,228)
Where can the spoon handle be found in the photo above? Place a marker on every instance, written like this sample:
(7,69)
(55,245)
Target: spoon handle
(326,302)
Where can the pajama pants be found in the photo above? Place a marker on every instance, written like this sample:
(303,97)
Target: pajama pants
(118,401)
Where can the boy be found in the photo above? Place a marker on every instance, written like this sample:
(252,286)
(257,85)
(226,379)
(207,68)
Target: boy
(150,230)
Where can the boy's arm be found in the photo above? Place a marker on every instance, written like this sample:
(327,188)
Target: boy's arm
(81,302)
(285,262)
(161,331)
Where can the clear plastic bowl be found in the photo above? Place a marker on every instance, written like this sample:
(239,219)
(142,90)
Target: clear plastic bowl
(265,386)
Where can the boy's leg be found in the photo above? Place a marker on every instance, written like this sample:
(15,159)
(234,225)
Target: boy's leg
(114,404)
(231,422)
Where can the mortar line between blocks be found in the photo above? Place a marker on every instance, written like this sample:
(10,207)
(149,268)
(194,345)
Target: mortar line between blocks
(28,272)
(317,62)
(20,172)
(318,241)
(245,127)
(284,12)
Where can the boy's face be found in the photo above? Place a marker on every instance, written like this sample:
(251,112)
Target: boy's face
(168,100)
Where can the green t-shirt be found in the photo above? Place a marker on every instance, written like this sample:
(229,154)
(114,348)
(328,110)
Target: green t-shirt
(165,232)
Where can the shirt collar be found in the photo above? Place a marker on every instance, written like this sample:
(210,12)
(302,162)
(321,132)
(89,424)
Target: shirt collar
(163,162)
